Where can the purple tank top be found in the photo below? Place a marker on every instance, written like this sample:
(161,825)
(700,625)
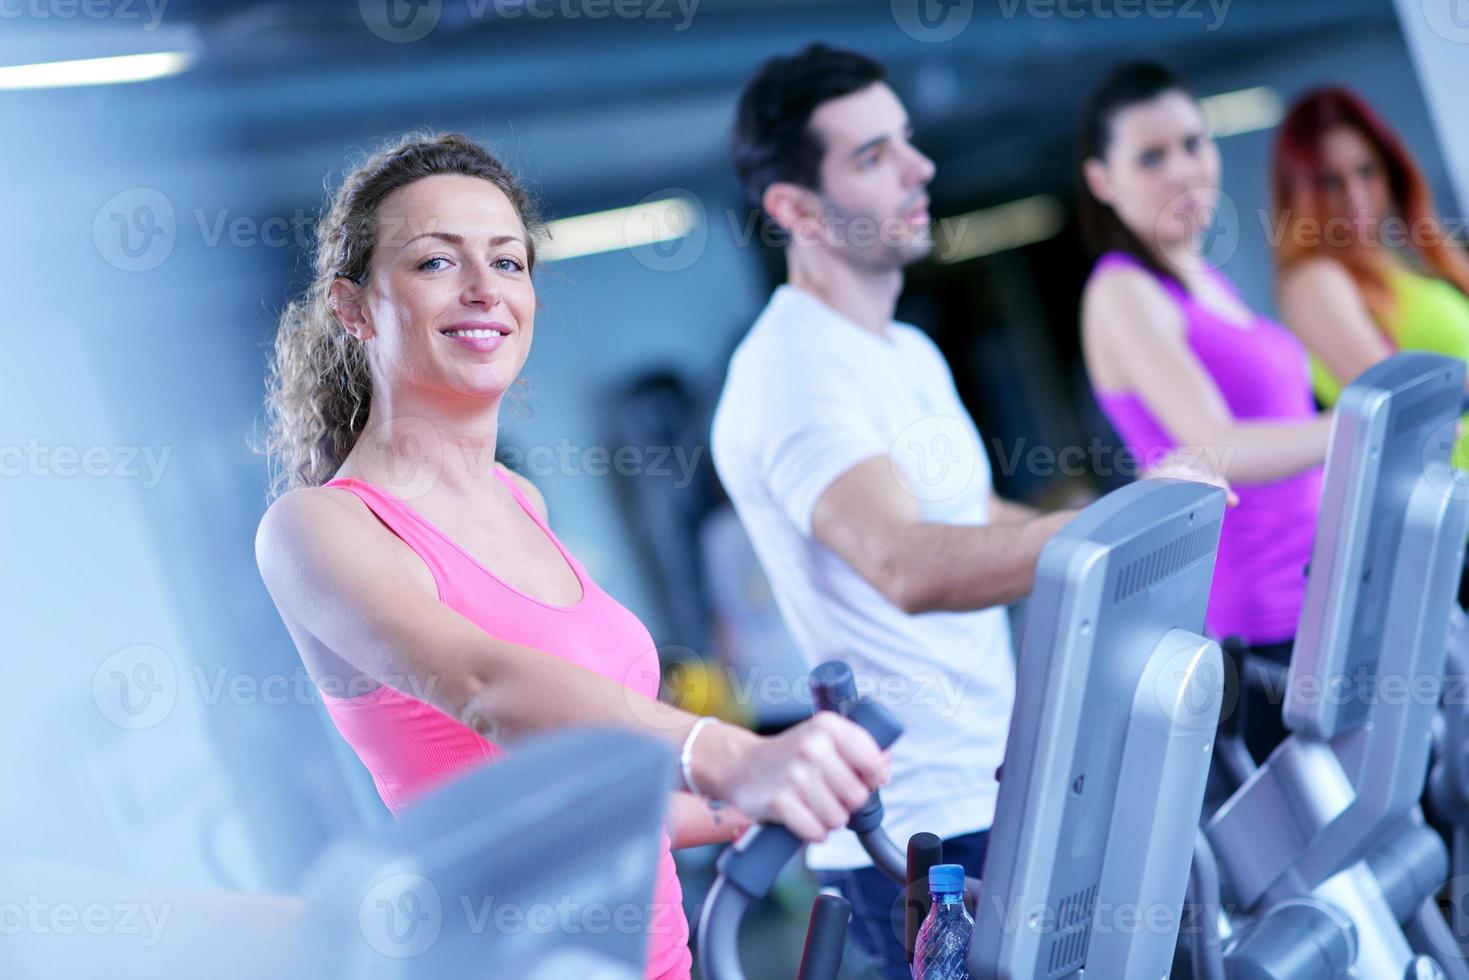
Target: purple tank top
(1262,371)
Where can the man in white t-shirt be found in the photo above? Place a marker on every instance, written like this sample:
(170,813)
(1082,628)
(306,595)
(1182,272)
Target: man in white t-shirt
(858,473)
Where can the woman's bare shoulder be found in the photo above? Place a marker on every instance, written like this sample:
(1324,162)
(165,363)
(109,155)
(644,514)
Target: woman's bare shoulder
(309,525)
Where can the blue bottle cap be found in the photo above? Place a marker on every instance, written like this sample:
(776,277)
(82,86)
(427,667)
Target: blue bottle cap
(946,878)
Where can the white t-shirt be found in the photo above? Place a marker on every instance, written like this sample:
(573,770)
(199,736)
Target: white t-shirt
(809,395)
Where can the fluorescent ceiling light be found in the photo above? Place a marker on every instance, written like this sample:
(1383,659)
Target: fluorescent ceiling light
(998,229)
(606,231)
(95,71)
(1245,111)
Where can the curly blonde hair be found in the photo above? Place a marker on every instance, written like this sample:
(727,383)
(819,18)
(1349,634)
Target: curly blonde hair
(318,389)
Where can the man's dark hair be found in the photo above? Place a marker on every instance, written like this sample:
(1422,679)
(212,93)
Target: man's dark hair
(772,140)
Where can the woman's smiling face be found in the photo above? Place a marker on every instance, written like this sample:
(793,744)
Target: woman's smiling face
(448,302)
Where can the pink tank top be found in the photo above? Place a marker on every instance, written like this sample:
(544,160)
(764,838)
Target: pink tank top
(410,747)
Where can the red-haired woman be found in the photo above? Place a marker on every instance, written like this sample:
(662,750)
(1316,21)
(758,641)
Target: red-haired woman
(1365,267)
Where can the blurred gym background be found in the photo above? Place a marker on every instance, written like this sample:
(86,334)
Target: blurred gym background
(164,162)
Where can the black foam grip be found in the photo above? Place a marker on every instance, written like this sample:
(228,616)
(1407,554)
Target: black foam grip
(924,851)
(832,685)
(752,862)
(821,959)
(869,818)
(880,723)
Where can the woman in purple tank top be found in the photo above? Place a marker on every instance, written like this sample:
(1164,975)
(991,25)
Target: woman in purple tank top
(1179,361)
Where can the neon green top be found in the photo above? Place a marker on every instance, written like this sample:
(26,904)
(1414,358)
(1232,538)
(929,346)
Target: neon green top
(1429,314)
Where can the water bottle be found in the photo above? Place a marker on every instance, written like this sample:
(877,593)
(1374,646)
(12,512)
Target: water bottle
(941,951)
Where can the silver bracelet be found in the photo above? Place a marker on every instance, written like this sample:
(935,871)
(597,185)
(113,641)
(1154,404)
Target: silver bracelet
(686,757)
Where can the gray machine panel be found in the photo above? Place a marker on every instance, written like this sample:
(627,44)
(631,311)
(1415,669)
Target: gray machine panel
(1368,659)
(1123,585)
(549,855)
(1389,424)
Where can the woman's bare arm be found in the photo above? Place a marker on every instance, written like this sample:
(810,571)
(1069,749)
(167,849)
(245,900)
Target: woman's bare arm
(694,821)
(336,578)
(1130,321)
(1320,302)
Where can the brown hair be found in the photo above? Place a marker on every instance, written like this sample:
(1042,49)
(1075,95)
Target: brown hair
(1125,86)
(318,389)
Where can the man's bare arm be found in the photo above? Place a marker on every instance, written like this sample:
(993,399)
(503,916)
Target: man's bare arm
(1004,511)
(873,521)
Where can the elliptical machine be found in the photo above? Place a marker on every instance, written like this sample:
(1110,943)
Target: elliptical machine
(1117,699)
(1325,868)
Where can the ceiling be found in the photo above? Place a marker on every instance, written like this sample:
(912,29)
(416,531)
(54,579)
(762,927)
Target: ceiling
(599,109)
